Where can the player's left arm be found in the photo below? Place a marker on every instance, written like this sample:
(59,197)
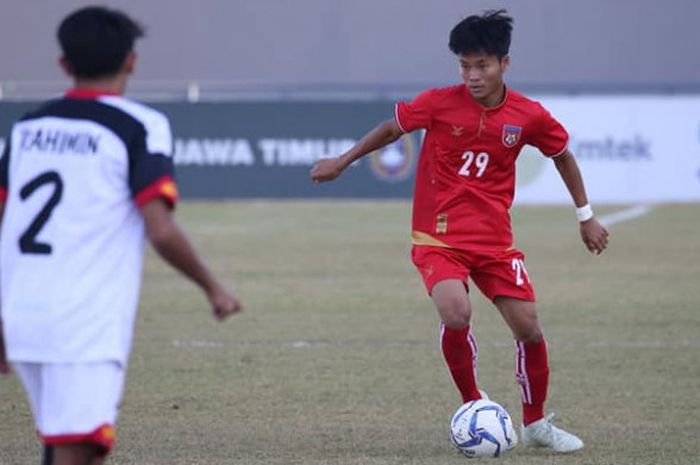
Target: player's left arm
(171,243)
(594,235)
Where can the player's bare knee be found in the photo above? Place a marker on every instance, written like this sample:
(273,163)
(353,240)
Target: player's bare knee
(453,307)
(455,316)
(456,321)
(532,335)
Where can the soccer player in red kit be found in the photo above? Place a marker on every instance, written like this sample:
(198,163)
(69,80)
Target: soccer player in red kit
(464,188)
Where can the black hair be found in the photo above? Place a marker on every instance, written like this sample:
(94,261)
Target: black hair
(96,40)
(488,33)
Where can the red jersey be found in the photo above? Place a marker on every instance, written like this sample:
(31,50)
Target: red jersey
(465,179)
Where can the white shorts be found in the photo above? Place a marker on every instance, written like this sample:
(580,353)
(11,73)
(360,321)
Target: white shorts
(74,402)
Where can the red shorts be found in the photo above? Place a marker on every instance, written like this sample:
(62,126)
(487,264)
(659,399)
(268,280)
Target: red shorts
(501,274)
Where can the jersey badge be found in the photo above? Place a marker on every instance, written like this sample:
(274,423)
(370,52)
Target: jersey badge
(457,130)
(511,135)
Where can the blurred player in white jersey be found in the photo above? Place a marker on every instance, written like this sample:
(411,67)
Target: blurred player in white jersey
(82,180)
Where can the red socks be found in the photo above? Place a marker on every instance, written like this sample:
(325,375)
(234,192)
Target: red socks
(460,352)
(532,374)
(531,369)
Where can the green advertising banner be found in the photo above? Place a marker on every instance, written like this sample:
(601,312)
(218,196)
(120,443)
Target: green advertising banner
(266,149)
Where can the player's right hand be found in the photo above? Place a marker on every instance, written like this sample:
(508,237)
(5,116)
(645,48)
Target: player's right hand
(223,303)
(327,169)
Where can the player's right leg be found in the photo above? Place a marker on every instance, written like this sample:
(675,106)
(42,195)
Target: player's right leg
(74,454)
(75,407)
(456,340)
(445,279)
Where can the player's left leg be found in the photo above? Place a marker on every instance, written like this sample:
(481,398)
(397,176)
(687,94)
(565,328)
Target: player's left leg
(504,280)
(531,362)
(532,374)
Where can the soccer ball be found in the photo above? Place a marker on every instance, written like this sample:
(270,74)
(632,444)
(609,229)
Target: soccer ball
(482,428)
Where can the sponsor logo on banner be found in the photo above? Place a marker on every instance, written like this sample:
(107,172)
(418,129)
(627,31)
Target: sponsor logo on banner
(266,152)
(395,162)
(213,152)
(610,148)
(511,135)
(531,163)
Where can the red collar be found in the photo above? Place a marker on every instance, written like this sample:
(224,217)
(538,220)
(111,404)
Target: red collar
(483,108)
(85,93)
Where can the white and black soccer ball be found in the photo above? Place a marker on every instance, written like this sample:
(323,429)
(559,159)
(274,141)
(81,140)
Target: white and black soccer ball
(482,428)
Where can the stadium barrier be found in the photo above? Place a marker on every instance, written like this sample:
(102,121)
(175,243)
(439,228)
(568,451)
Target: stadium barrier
(630,149)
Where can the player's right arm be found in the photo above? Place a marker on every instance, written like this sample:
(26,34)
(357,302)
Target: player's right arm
(409,116)
(327,169)
(172,244)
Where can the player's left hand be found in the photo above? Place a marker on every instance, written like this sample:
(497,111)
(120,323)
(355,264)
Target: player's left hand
(224,303)
(594,235)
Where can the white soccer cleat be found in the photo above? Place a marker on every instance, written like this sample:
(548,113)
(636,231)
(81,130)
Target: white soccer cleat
(543,433)
(483,394)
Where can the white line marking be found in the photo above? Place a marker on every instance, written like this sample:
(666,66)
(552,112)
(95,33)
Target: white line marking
(624,215)
(198,344)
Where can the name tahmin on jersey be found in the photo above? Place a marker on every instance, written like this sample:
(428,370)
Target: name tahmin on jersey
(57,141)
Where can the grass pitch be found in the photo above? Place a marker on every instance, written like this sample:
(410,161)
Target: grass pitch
(336,361)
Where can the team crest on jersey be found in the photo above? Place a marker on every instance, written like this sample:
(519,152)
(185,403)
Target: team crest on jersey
(511,135)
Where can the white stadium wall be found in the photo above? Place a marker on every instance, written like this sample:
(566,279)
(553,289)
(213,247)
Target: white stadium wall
(376,46)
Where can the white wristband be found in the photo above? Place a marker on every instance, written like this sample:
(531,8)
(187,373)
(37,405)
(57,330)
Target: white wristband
(584,213)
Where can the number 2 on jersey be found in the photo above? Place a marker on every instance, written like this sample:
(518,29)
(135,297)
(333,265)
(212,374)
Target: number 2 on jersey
(27,241)
(481,161)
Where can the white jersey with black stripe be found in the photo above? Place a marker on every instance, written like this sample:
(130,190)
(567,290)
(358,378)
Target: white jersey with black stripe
(73,174)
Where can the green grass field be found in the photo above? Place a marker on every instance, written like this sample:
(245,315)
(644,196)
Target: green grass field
(336,361)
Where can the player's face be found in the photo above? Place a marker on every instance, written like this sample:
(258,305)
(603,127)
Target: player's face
(483,76)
